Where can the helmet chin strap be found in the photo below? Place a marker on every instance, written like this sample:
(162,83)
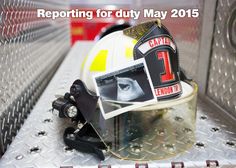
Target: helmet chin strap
(139,30)
(85,140)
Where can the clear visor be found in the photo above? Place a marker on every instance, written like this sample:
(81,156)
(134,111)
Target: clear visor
(154,132)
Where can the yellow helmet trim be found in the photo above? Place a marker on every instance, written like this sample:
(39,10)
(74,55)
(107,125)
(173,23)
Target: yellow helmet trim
(99,62)
(129,52)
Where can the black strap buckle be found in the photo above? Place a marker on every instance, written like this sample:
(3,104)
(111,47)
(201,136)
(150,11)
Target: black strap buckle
(85,140)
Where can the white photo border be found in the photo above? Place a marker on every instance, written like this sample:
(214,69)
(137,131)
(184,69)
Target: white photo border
(134,105)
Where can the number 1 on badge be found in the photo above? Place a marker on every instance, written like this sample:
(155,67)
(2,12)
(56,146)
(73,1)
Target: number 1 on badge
(167,75)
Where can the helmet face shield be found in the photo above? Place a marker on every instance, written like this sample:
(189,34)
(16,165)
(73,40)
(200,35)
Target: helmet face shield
(152,132)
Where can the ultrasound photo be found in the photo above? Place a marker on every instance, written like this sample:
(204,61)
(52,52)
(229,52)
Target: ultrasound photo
(124,89)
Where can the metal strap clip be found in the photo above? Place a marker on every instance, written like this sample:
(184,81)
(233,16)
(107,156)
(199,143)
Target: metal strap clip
(212,163)
(177,164)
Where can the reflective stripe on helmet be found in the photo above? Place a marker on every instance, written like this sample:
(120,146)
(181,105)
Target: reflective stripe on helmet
(129,52)
(99,62)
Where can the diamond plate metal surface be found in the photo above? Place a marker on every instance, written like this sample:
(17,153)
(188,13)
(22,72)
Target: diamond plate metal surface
(222,70)
(39,143)
(186,31)
(31,49)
